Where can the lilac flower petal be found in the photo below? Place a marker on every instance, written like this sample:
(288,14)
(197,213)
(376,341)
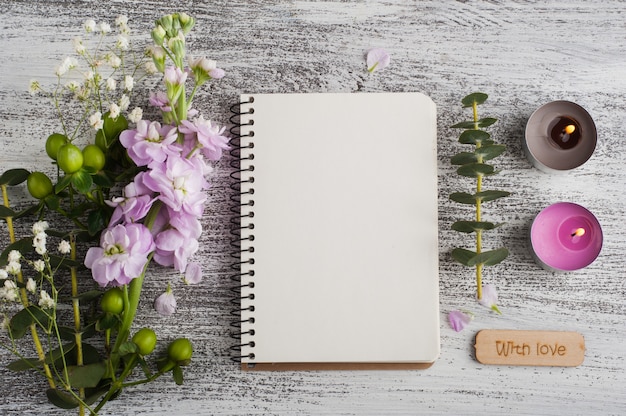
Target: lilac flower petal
(490,298)
(165,304)
(193,274)
(377,59)
(458,320)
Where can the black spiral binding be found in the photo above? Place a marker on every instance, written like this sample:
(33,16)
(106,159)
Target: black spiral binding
(241,226)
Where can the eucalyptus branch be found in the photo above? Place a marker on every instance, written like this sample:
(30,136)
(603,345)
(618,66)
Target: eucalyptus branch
(472,164)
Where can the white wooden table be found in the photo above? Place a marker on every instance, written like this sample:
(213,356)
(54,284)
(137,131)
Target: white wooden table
(523,54)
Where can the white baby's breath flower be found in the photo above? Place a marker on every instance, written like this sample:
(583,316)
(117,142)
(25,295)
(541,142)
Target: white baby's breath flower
(3,274)
(115,61)
(14,256)
(13,268)
(66,65)
(31,285)
(114,111)
(89,75)
(39,265)
(39,242)
(34,87)
(121,20)
(135,115)
(123,42)
(78,46)
(45,301)
(95,120)
(9,291)
(129,83)
(72,86)
(150,68)
(40,227)
(105,27)
(124,102)
(111,84)
(65,247)
(89,25)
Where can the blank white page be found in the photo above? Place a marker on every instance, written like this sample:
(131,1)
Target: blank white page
(345,228)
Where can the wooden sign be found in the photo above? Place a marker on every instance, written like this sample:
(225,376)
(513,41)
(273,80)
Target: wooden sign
(532,348)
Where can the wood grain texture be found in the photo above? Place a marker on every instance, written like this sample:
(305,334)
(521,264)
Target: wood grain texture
(522,53)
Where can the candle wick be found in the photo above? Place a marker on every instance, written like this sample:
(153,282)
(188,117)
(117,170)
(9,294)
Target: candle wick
(579,232)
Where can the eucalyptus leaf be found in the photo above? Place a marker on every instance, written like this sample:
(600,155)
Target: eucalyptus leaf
(474,170)
(465,125)
(486,196)
(61,399)
(24,364)
(489,258)
(463,158)
(82,181)
(58,353)
(89,295)
(473,226)
(474,136)
(86,375)
(29,211)
(486,122)
(91,355)
(63,262)
(490,151)
(21,321)
(463,256)
(475,98)
(463,198)
(14,177)
(6,212)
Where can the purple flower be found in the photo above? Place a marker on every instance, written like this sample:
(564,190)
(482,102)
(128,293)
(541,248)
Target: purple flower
(180,183)
(458,320)
(173,248)
(174,76)
(122,255)
(490,298)
(149,142)
(193,274)
(208,137)
(377,59)
(135,204)
(165,304)
(160,101)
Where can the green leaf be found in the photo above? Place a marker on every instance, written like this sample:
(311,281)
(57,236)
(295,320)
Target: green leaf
(24,246)
(465,125)
(97,221)
(63,262)
(61,399)
(463,256)
(14,177)
(103,180)
(112,128)
(57,353)
(473,226)
(108,321)
(29,211)
(24,364)
(82,181)
(474,170)
(474,136)
(91,355)
(489,258)
(463,158)
(52,201)
(463,198)
(491,151)
(86,375)
(486,196)
(128,347)
(486,122)
(89,295)
(93,395)
(25,318)
(6,212)
(178,375)
(63,183)
(475,98)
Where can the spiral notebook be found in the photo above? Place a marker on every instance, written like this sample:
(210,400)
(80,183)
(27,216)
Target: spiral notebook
(339,252)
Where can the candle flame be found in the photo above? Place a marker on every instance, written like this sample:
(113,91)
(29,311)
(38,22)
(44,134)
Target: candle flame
(569,129)
(579,232)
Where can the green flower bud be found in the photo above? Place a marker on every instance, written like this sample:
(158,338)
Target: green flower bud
(186,22)
(158,35)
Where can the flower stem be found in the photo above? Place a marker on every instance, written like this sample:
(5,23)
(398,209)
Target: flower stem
(479,184)
(77,321)
(24,297)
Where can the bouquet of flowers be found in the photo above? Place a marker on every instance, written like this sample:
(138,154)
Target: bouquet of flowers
(132,196)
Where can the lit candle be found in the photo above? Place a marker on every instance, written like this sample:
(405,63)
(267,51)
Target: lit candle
(560,136)
(565,236)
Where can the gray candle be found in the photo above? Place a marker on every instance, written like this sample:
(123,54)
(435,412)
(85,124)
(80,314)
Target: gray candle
(560,136)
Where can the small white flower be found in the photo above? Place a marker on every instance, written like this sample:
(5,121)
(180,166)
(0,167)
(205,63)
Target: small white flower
(39,242)
(111,84)
(123,42)
(89,25)
(78,46)
(66,65)
(150,68)
(14,256)
(5,323)
(135,115)
(95,120)
(3,274)
(31,285)
(39,265)
(115,61)
(121,20)
(45,301)
(34,87)
(65,247)
(40,227)
(105,27)
(13,268)
(9,291)
(114,111)
(89,75)
(124,102)
(129,83)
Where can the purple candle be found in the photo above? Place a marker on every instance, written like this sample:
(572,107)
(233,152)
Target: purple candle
(565,237)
